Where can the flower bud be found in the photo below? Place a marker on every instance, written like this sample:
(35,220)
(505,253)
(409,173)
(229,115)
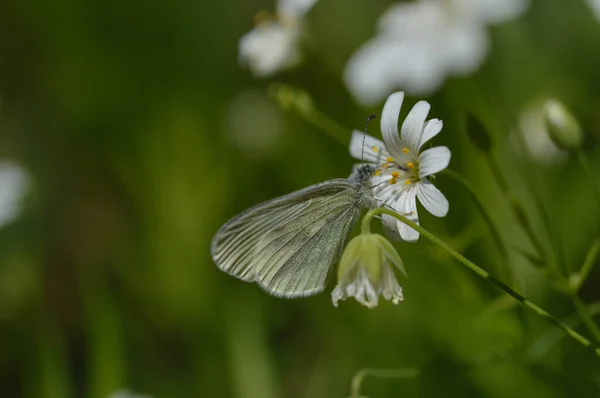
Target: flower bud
(562,126)
(365,273)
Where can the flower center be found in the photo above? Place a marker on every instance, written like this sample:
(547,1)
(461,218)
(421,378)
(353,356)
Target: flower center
(404,168)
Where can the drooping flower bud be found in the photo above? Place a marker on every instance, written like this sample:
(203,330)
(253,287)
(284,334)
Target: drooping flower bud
(365,272)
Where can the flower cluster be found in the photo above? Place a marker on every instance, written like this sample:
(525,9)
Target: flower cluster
(273,44)
(420,43)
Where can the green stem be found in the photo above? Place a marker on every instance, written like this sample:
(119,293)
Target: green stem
(328,125)
(484,275)
(588,264)
(497,173)
(517,209)
(506,270)
(586,317)
(544,343)
(405,373)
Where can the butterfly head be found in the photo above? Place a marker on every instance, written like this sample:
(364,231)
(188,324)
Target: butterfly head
(364,173)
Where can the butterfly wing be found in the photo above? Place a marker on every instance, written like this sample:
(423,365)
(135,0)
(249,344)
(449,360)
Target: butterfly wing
(287,245)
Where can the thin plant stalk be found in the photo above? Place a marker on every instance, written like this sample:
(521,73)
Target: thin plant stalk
(480,272)
(518,210)
(500,246)
(357,380)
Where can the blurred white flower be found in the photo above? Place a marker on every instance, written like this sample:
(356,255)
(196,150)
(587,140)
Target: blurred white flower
(538,142)
(595,6)
(420,43)
(14,182)
(403,170)
(365,271)
(273,44)
(127,394)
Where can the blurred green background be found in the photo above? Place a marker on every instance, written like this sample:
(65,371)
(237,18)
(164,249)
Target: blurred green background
(142,135)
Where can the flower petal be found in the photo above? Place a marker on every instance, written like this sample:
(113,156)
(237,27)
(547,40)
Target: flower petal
(432,199)
(390,289)
(356,147)
(389,122)
(433,160)
(430,129)
(406,204)
(412,128)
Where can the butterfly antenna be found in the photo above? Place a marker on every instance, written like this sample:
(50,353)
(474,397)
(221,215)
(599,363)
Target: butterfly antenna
(362,153)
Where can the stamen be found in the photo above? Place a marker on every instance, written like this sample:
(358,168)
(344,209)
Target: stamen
(393,181)
(375,149)
(408,181)
(389,160)
(405,150)
(377,173)
(386,165)
(410,165)
(395,174)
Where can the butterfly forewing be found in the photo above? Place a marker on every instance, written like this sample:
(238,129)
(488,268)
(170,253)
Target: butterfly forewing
(288,245)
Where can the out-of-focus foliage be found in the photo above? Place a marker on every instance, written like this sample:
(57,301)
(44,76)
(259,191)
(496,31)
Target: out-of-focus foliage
(142,135)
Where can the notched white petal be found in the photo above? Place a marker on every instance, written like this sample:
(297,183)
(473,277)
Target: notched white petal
(389,122)
(407,206)
(432,199)
(412,128)
(430,129)
(433,160)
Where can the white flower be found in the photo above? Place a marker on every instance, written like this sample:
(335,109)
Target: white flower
(273,44)
(365,271)
(403,170)
(124,393)
(420,43)
(595,6)
(14,182)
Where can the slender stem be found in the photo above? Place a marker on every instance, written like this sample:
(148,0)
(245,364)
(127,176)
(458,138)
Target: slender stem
(500,246)
(405,373)
(588,264)
(328,125)
(545,342)
(497,173)
(517,209)
(485,275)
(586,317)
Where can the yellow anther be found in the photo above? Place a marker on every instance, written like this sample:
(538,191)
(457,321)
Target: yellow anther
(395,174)
(410,165)
(377,173)
(405,150)
(408,182)
(393,181)
(389,159)
(375,149)
(385,166)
